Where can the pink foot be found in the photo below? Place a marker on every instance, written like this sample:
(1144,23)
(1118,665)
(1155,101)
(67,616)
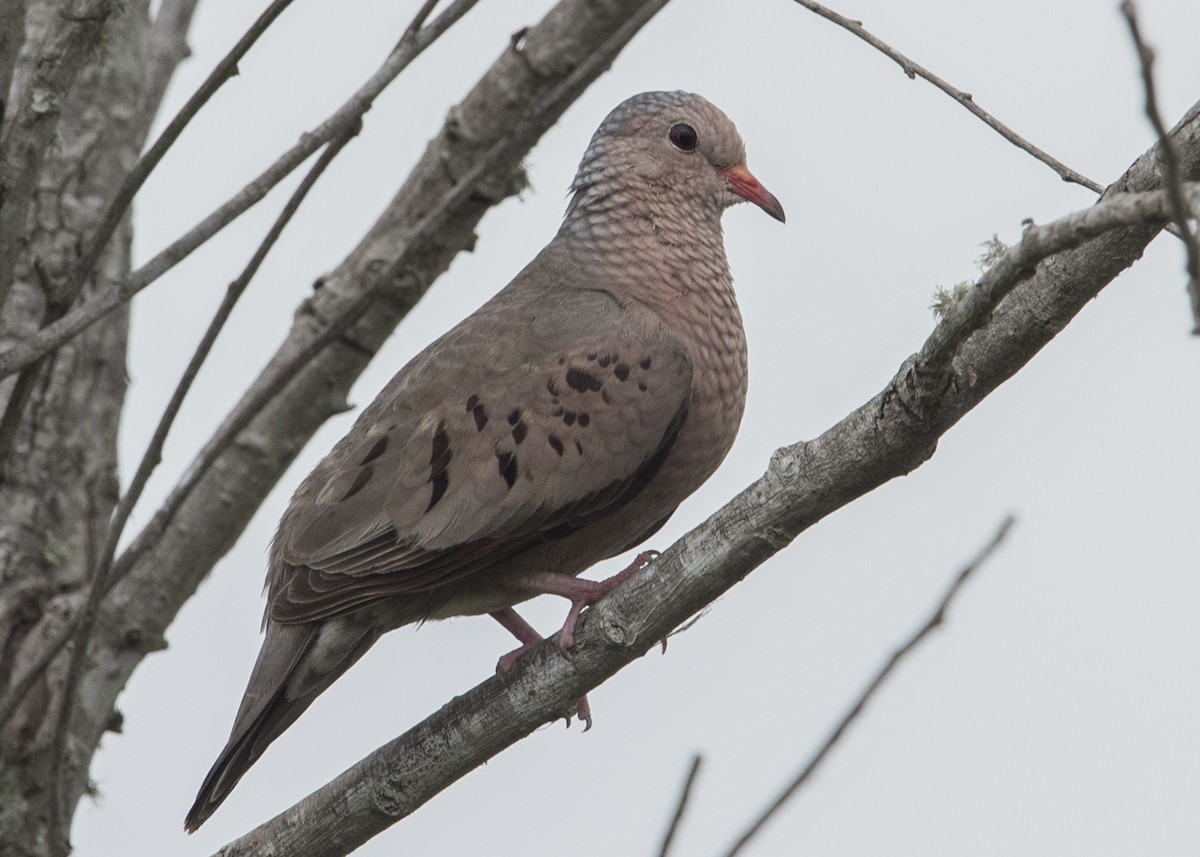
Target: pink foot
(582,593)
(530,638)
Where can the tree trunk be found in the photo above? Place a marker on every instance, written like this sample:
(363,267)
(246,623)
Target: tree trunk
(59,483)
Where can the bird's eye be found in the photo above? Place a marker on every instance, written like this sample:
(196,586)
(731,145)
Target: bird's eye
(683,137)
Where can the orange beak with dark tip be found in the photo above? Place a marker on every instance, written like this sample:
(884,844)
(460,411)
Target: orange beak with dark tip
(744,184)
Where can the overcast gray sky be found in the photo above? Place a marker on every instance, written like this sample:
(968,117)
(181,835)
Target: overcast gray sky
(1055,713)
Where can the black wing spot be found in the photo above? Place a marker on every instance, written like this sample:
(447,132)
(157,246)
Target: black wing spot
(519,431)
(591,355)
(551,387)
(582,380)
(569,418)
(642,386)
(360,481)
(507,464)
(604,360)
(440,481)
(645,363)
(472,402)
(584,419)
(579,447)
(621,370)
(555,443)
(514,416)
(441,454)
(377,450)
(481,417)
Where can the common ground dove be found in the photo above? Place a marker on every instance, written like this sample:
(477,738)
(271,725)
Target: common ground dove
(558,425)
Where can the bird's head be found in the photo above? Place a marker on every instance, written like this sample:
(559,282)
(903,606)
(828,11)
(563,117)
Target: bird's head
(676,145)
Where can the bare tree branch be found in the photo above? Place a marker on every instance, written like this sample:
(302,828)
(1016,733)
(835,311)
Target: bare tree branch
(888,436)
(1181,212)
(64,42)
(934,621)
(913,70)
(418,20)
(349,114)
(63,486)
(681,805)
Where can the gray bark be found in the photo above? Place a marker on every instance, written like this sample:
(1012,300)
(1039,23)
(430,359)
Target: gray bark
(60,41)
(59,485)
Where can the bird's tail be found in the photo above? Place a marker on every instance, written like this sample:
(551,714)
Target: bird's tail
(296,663)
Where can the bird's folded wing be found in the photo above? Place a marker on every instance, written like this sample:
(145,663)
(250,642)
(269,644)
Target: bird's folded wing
(531,454)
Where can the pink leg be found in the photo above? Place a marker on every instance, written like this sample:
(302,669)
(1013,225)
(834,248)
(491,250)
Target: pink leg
(581,593)
(519,628)
(529,638)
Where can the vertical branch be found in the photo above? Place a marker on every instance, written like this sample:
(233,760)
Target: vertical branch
(1181,214)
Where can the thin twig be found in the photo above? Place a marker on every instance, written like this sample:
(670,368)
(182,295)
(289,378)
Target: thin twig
(417,22)
(913,70)
(349,114)
(1169,157)
(934,621)
(681,805)
(153,455)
